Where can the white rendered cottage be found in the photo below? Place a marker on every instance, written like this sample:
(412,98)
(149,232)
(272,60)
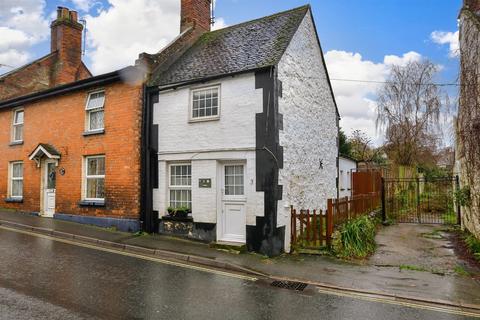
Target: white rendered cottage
(247,125)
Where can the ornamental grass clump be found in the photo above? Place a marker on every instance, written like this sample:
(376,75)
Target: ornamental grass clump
(356,238)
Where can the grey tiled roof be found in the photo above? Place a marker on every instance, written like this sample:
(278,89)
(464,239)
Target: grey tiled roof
(243,47)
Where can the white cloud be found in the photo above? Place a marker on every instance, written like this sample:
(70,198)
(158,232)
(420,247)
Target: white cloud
(128,27)
(22,24)
(449,38)
(84,5)
(219,24)
(411,56)
(356,100)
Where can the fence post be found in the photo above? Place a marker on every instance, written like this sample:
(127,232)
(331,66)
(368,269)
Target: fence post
(292,231)
(459,213)
(384,209)
(329,222)
(418,199)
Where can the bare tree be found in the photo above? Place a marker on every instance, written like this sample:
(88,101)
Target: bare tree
(409,108)
(362,149)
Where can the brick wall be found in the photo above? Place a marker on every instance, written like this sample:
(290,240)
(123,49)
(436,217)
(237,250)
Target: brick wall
(61,66)
(60,121)
(195,13)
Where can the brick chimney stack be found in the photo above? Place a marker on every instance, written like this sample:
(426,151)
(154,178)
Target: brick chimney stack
(197,14)
(67,41)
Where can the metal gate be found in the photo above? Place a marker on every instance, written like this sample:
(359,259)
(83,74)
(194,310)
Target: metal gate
(427,201)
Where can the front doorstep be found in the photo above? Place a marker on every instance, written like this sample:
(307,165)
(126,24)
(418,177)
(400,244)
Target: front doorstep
(187,228)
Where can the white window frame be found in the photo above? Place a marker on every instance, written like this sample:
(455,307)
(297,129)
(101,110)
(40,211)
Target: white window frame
(11,178)
(234,196)
(15,124)
(205,118)
(179,187)
(89,111)
(86,176)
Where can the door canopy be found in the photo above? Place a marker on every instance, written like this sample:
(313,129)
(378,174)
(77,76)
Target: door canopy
(44,150)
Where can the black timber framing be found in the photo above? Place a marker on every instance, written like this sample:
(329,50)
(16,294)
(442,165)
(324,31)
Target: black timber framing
(149,152)
(265,237)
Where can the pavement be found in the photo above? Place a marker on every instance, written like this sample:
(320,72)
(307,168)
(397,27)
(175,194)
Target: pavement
(44,277)
(371,277)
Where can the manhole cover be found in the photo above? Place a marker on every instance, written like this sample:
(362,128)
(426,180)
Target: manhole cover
(289,285)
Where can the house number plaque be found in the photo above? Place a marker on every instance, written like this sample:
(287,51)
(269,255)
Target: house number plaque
(205,183)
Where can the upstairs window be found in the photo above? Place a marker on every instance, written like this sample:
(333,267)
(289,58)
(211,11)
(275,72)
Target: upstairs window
(95,111)
(205,103)
(17,132)
(16,179)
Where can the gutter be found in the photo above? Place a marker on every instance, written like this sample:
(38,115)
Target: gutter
(209,78)
(63,89)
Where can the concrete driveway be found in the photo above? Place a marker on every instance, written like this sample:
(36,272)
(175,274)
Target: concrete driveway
(420,247)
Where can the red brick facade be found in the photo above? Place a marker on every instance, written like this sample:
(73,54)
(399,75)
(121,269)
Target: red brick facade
(60,121)
(63,65)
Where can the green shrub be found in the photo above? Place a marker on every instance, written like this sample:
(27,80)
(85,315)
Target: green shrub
(356,238)
(473,245)
(462,196)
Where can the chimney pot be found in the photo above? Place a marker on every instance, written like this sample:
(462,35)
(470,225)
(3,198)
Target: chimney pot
(74,16)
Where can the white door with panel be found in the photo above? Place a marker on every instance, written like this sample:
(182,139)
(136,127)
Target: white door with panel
(49,185)
(232,226)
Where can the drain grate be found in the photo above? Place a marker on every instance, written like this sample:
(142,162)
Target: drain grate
(289,285)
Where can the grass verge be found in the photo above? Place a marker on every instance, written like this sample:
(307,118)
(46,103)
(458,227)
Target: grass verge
(412,268)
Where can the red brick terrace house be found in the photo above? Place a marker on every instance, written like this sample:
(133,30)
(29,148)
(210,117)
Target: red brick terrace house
(71,144)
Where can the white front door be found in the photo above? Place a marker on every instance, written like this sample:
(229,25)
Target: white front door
(232,226)
(49,184)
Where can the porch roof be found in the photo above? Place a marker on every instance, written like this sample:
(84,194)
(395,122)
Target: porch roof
(44,149)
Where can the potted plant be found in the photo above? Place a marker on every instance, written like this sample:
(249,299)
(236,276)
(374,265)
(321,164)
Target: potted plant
(180,212)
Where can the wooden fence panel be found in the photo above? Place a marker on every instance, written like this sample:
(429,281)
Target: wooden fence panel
(315,228)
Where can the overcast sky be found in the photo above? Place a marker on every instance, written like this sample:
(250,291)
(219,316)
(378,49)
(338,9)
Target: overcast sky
(360,38)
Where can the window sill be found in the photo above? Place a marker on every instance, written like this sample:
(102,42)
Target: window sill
(93,132)
(14,200)
(204,119)
(16,143)
(91,203)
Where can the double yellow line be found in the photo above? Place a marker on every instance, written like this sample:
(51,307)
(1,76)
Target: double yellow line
(133,255)
(328,291)
(397,302)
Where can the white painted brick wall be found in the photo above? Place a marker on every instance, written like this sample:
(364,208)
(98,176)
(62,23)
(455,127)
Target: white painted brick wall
(208,145)
(345,167)
(310,127)
(240,101)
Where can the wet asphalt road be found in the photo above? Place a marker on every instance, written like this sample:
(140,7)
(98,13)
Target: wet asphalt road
(45,279)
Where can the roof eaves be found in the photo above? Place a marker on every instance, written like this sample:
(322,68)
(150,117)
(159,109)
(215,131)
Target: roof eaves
(77,85)
(210,78)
